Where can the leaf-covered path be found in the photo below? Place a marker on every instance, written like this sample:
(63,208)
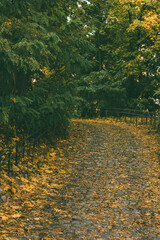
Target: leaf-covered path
(101,183)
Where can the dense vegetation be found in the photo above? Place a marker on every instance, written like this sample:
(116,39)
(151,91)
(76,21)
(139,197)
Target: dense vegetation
(66,58)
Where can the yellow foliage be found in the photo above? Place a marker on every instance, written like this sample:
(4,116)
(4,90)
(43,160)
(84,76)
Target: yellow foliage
(13,100)
(8,22)
(151,20)
(45,71)
(6,188)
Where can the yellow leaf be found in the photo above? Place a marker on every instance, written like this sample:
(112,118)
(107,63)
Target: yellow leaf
(52,150)
(16,207)
(12,180)
(17,215)
(14,190)
(15,168)
(29,188)
(8,22)
(57,186)
(4,218)
(48,171)
(62,171)
(23,179)
(6,188)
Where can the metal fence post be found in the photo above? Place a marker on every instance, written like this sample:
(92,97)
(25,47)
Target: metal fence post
(158,121)
(33,149)
(23,144)
(154,122)
(29,146)
(130,118)
(141,119)
(136,120)
(151,121)
(16,162)
(9,161)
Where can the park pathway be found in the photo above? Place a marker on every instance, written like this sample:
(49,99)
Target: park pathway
(102,183)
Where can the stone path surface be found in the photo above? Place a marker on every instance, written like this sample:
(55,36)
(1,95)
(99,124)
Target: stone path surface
(102,183)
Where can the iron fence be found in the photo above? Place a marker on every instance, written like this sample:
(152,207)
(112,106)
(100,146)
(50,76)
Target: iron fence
(13,154)
(138,117)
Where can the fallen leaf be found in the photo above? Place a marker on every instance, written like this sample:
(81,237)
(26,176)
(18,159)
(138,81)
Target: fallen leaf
(16,215)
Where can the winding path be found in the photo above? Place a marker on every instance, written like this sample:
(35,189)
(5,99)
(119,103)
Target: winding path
(102,183)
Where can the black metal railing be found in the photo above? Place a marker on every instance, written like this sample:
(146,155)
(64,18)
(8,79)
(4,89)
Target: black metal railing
(26,145)
(138,117)
(13,154)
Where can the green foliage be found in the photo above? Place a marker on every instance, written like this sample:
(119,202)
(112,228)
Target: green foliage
(98,92)
(126,37)
(37,110)
(36,64)
(60,58)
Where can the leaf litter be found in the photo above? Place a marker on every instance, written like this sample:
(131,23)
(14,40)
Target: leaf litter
(100,183)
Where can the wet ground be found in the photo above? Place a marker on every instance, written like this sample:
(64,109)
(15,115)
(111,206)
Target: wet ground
(102,183)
